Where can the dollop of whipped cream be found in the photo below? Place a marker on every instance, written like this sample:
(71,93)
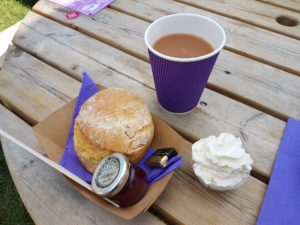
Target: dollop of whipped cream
(221,163)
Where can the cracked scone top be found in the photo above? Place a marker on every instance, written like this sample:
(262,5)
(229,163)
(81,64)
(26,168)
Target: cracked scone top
(113,120)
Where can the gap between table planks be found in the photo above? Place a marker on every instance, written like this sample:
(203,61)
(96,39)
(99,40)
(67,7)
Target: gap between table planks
(188,201)
(52,42)
(42,188)
(271,48)
(287,4)
(252,12)
(196,204)
(229,75)
(245,39)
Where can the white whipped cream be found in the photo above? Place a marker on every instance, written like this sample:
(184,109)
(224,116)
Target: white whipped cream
(221,163)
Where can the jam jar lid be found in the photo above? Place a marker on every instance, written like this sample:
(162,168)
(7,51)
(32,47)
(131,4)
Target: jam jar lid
(111,175)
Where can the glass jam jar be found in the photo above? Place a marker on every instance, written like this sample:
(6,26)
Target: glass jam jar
(118,180)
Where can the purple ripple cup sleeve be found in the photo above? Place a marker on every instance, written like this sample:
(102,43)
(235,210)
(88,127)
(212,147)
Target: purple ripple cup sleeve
(179,82)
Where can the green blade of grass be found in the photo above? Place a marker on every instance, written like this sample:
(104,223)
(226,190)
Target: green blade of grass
(11,11)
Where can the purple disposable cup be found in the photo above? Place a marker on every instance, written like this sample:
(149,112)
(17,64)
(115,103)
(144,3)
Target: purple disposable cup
(179,82)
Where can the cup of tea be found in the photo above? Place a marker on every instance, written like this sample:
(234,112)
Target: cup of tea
(183,49)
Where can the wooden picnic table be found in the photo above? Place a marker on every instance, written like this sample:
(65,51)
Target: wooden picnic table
(253,89)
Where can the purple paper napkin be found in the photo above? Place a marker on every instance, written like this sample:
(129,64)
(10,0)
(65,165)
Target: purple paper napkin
(70,160)
(282,200)
(155,174)
(87,7)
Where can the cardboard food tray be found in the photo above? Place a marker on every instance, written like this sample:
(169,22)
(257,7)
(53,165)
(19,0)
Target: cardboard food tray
(52,134)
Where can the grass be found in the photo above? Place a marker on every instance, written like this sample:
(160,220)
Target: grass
(12,210)
(11,11)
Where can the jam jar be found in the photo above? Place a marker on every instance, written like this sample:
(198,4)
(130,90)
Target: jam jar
(118,180)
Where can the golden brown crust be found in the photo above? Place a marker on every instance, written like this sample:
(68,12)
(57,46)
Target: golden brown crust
(88,154)
(113,120)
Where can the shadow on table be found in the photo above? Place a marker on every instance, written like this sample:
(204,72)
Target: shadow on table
(28,3)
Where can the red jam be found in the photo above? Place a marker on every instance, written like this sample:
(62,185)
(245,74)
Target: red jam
(119,181)
(134,189)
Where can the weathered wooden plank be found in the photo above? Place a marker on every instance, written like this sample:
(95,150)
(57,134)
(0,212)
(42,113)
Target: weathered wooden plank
(248,40)
(42,188)
(252,12)
(230,75)
(21,75)
(212,211)
(109,26)
(17,127)
(53,42)
(239,206)
(293,5)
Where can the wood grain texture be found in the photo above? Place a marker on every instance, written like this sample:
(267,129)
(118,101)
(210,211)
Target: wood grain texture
(20,74)
(262,45)
(252,12)
(230,75)
(113,68)
(212,211)
(109,26)
(248,40)
(15,126)
(293,5)
(192,203)
(42,188)
(238,206)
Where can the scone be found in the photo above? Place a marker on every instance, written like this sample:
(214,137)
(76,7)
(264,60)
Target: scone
(112,120)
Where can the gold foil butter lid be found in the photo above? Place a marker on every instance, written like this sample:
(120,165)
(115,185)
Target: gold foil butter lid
(157,161)
(161,157)
(111,175)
